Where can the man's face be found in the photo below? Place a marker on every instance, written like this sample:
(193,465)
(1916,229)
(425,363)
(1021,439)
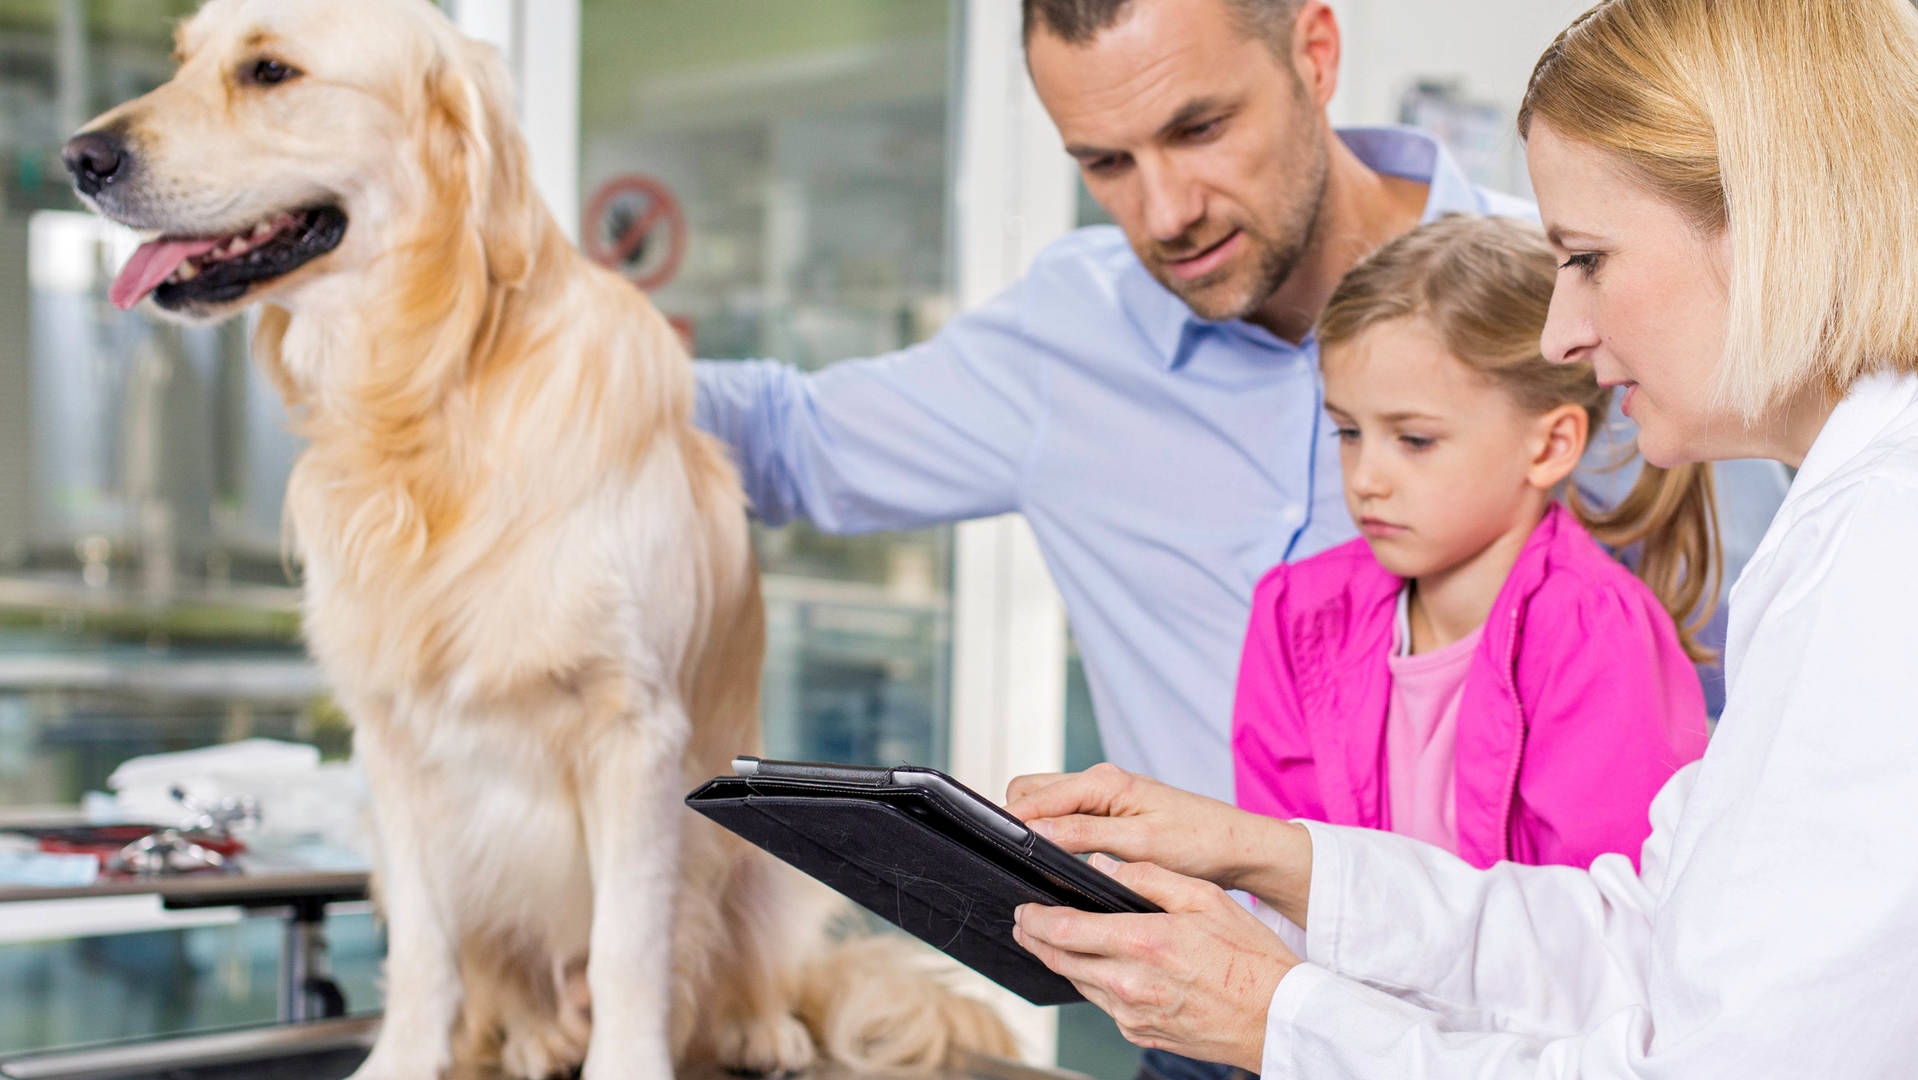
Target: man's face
(1199,140)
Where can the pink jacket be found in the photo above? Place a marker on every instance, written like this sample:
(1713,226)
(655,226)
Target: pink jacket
(1578,706)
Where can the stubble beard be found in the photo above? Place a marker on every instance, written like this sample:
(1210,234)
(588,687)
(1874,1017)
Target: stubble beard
(1276,259)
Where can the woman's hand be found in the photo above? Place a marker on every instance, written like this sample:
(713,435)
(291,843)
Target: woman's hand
(1196,980)
(1140,820)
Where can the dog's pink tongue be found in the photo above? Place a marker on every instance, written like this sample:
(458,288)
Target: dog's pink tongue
(152,265)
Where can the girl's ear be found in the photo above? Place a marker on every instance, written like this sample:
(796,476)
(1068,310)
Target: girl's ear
(1558,442)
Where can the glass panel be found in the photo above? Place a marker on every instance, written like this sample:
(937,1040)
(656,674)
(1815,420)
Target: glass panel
(1083,748)
(777,175)
(100,989)
(1090,1043)
(144,601)
(142,465)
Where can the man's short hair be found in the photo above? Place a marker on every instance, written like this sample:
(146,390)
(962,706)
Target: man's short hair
(1076,22)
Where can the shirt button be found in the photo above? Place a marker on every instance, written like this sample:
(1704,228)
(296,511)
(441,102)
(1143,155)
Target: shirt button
(1293,516)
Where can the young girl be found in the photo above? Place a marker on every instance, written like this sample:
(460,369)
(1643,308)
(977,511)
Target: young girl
(1476,671)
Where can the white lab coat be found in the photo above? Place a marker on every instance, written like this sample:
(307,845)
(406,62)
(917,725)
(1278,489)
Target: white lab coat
(1773,928)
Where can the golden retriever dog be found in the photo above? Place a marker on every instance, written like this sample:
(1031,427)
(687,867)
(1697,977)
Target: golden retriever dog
(526,574)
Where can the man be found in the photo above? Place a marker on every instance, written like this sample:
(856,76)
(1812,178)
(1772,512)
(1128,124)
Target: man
(1148,395)
(1143,396)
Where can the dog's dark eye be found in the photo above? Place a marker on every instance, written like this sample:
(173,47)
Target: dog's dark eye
(270,73)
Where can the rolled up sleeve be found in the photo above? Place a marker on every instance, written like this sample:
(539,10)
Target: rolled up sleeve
(936,433)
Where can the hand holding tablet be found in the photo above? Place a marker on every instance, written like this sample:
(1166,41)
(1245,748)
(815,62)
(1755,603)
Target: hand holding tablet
(919,849)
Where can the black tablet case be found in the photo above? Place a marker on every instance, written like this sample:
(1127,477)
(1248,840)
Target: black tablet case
(904,855)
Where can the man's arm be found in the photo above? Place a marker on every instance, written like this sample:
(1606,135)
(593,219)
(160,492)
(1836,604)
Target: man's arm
(935,433)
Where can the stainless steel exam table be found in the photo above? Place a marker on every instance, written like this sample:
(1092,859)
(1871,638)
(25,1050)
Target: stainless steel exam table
(326,1050)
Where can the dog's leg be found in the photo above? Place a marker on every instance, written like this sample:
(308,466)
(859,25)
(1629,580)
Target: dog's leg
(774,924)
(422,963)
(630,802)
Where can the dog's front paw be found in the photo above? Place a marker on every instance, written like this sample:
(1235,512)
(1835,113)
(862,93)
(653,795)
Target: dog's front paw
(768,1046)
(536,1051)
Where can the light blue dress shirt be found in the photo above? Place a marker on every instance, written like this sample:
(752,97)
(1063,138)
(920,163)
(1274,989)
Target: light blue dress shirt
(1165,462)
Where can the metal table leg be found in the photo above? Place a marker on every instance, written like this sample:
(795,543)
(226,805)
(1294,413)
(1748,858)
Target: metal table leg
(307,990)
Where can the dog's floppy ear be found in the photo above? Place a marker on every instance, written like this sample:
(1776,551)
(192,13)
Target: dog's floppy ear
(467,246)
(480,160)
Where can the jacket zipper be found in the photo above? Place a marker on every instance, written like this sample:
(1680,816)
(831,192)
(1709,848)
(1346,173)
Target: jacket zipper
(1508,670)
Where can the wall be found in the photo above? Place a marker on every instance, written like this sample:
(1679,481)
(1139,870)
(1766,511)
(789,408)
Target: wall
(673,62)
(1487,46)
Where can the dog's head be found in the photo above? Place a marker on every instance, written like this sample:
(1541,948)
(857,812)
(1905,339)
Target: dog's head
(307,141)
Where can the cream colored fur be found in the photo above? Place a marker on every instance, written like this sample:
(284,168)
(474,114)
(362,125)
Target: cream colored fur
(526,574)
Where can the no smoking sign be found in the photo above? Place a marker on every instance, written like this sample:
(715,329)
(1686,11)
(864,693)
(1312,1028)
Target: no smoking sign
(635,226)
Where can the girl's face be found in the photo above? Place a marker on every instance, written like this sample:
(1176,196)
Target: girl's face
(1642,296)
(1439,462)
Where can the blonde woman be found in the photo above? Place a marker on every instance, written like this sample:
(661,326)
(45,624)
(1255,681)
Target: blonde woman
(1732,189)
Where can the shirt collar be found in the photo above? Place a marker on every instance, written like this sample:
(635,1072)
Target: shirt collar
(1172,327)
(1874,401)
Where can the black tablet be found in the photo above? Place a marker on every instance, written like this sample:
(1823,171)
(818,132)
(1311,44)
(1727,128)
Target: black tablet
(919,849)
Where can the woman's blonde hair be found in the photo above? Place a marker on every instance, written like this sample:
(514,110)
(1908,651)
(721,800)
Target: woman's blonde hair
(1794,125)
(1484,285)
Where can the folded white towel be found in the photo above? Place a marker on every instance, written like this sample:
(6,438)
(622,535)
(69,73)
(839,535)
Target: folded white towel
(251,757)
(312,810)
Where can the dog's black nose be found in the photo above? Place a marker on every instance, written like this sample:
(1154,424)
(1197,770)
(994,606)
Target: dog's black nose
(96,159)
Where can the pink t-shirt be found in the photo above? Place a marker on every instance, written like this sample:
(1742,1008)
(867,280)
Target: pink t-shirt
(1421,737)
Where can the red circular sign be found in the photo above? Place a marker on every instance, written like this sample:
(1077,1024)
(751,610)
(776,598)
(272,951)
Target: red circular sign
(634,225)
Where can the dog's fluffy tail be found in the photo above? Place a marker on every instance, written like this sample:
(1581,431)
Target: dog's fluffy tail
(884,1003)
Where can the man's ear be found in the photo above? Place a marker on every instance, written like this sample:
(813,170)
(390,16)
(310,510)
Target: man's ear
(1315,50)
(1557,443)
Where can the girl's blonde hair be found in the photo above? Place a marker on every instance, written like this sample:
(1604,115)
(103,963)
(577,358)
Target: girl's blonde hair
(1792,123)
(1485,286)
